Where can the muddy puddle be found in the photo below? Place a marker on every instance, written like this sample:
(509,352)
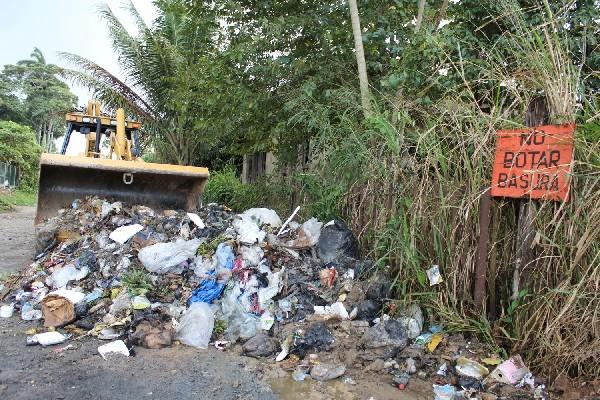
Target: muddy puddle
(286,388)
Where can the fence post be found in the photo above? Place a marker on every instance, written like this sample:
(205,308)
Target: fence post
(537,114)
(9,174)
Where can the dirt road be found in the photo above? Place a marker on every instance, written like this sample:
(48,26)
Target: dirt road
(178,372)
(80,373)
(16,239)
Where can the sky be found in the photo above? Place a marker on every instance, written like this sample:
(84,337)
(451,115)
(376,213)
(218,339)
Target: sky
(62,25)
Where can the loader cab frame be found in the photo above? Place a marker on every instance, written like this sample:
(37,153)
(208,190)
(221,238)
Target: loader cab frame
(95,127)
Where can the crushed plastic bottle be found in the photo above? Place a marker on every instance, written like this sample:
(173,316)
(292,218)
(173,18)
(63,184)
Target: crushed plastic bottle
(28,313)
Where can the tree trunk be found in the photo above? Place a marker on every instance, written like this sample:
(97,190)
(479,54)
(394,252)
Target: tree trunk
(50,138)
(360,58)
(441,13)
(39,134)
(420,15)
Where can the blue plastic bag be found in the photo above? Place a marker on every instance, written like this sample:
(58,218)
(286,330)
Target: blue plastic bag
(225,256)
(208,290)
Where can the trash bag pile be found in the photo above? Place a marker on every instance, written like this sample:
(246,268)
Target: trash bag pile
(117,271)
(293,292)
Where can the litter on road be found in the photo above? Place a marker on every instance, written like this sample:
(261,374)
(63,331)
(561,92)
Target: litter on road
(296,295)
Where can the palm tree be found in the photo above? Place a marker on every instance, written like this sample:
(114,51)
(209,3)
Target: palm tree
(37,57)
(45,97)
(158,62)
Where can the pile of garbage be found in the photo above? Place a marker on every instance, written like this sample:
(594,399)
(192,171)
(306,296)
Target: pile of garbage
(293,293)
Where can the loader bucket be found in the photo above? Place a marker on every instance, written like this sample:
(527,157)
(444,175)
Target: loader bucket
(159,186)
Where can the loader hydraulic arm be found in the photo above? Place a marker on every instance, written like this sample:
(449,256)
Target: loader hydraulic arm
(123,133)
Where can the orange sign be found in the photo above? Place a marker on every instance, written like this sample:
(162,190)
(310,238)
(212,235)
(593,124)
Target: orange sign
(533,162)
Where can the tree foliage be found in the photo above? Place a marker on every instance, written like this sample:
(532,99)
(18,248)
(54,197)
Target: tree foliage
(18,147)
(226,78)
(31,93)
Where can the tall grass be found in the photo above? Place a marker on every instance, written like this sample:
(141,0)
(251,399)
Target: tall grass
(412,194)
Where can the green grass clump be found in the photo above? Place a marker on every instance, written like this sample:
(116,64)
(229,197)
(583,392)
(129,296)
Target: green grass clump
(219,328)
(137,281)
(209,248)
(17,198)
(226,188)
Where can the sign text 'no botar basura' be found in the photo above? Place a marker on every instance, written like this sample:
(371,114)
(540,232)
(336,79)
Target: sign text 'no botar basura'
(533,162)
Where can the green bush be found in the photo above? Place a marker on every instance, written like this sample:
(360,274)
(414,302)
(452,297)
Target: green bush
(321,198)
(18,148)
(225,187)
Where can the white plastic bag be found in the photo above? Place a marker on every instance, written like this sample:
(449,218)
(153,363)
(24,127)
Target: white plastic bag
(196,326)
(240,324)
(123,233)
(203,265)
(196,220)
(412,320)
(64,275)
(48,338)
(308,234)
(72,295)
(336,310)
(248,230)
(252,255)
(263,216)
(160,258)
(275,284)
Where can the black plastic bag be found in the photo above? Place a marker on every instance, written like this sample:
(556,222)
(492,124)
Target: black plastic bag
(337,243)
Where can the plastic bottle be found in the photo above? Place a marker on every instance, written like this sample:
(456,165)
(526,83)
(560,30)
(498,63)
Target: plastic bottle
(46,338)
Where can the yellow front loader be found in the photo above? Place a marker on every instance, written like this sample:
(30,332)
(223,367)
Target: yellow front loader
(121,175)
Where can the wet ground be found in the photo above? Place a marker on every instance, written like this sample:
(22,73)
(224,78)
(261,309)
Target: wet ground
(178,372)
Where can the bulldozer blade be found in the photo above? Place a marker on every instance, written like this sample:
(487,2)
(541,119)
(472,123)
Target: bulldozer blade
(159,186)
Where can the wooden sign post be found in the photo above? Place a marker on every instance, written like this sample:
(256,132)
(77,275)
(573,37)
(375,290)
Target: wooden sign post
(530,163)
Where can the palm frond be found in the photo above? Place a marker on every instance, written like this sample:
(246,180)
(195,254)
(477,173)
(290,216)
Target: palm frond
(104,84)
